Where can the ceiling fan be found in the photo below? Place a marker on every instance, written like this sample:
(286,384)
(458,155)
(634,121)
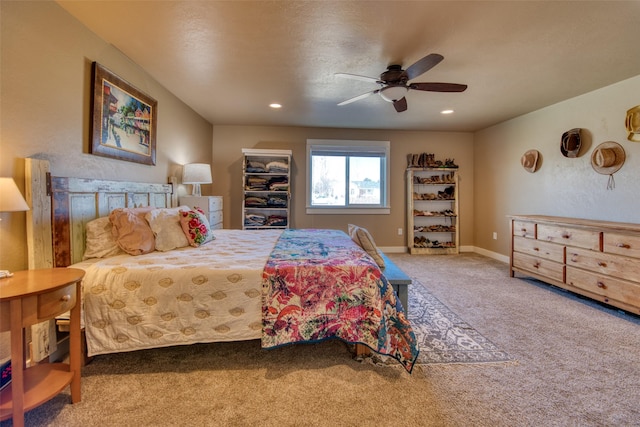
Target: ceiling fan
(394,83)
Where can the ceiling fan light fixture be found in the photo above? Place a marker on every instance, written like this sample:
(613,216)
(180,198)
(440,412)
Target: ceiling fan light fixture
(393,93)
(449,111)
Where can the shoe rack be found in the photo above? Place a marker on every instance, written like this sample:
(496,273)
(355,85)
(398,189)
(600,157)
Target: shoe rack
(432,209)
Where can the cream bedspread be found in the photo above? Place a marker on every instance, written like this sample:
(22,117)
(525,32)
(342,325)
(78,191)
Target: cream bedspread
(206,294)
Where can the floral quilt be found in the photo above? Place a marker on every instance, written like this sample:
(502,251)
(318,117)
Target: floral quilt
(319,284)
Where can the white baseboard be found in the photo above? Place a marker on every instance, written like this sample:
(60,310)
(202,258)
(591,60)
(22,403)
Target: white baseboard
(481,251)
(393,249)
(490,254)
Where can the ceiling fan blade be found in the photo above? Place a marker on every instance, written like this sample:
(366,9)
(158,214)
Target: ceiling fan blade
(359,97)
(423,65)
(438,87)
(357,77)
(400,105)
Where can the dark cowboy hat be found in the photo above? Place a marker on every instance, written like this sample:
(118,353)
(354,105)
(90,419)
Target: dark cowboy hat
(571,142)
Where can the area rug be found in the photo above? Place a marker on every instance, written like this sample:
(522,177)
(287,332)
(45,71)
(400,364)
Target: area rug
(443,337)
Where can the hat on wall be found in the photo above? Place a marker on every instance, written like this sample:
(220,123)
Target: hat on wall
(632,123)
(571,142)
(529,160)
(607,159)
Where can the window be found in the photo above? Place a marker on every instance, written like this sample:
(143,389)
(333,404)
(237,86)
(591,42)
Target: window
(347,176)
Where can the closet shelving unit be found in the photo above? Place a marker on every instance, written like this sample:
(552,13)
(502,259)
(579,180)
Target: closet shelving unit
(266,176)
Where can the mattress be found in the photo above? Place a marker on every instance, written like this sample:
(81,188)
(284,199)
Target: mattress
(185,296)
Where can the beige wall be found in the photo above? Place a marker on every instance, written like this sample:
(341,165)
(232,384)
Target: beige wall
(562,186)
(228,142)
(45,105)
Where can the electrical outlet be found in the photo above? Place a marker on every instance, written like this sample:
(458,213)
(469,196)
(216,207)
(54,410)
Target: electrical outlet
(495,236)
(399,231)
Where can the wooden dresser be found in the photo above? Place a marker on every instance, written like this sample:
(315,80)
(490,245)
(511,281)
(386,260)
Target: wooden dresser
(598,259)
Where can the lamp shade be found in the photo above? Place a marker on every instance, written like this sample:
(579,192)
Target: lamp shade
(196,173)
(11,199)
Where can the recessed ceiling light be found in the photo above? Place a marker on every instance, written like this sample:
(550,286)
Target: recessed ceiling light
(275,105)
(446,112)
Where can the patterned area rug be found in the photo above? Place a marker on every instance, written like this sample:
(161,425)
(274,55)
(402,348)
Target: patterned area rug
(444,338)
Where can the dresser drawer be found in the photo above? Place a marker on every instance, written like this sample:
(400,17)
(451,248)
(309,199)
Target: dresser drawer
(215,218)
(524,229)
(215,204)
(587,239)
(56,302)
(206,203)
(607,264)
(540,266)
(536,248)
(616,289)
(622,244)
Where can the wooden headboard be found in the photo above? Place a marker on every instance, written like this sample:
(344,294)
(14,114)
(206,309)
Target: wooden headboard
(62,206)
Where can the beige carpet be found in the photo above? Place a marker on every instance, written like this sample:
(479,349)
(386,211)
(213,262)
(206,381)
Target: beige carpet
(577,364)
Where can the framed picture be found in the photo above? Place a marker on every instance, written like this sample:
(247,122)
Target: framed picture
(123,119)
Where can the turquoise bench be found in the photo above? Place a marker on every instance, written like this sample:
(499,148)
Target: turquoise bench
(399,280)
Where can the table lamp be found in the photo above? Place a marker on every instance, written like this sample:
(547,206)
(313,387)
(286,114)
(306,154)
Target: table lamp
(196,174)
(11,200)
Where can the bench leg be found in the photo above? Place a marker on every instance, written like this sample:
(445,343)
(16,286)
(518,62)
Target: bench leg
(362,350)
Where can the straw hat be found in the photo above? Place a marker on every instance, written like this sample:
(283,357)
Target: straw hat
(529,160)
(570,146)
(632,123)
(607,158)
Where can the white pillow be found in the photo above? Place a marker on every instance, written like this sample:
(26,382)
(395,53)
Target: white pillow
(362,237)
(100,242)
(165,224)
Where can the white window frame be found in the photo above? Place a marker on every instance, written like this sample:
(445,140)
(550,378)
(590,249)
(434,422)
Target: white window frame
(354,147)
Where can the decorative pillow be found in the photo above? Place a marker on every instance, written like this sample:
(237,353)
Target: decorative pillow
(362,237)
(165,224)
(196,226)
(131,231)
(100,242)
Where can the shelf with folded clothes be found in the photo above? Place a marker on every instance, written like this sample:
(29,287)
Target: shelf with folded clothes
(263,220)
(266,188)
(266,199)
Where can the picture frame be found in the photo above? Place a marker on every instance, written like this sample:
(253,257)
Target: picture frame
(123,119)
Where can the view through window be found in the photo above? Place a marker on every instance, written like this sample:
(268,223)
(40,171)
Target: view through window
(353,175)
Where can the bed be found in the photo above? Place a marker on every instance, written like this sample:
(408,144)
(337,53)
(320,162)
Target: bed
(296,286)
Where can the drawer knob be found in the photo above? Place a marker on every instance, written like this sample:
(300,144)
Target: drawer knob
(536,249)
(602,264)
(566,235)
(536,264)
(65,298)
(574,257)
(624,245)
(602,285)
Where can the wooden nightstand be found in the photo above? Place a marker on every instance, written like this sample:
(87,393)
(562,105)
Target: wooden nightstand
(30,297)
(211,206)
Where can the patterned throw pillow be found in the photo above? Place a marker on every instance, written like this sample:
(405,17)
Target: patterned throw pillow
(196,226)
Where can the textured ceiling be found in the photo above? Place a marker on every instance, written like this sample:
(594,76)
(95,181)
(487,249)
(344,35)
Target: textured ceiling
(229,59)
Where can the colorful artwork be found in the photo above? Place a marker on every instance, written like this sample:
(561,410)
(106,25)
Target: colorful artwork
(124,119)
